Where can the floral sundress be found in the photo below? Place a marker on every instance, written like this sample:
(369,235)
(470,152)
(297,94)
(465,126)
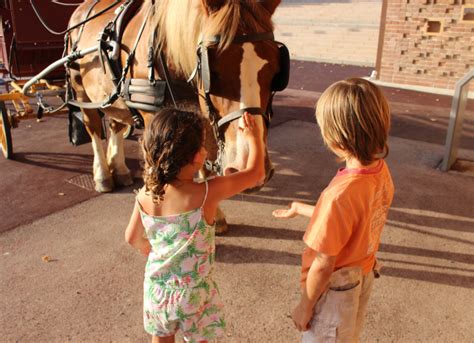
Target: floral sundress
(179,291)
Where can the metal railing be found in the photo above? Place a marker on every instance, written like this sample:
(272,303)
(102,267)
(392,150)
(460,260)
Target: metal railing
(456,118)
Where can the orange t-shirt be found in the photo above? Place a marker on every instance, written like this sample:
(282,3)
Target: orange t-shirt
(349,217)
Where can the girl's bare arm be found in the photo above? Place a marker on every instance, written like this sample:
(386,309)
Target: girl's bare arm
(135,233)
(224,187)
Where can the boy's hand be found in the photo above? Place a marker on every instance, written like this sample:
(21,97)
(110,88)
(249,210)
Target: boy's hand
(301,317)
(286,213)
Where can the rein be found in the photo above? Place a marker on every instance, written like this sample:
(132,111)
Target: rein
(75,26)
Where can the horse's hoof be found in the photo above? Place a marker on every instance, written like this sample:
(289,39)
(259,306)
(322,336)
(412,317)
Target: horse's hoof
(123,180)
(104,186)
(221,226)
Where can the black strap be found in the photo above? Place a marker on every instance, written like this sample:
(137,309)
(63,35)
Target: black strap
(239,113)
(75,26)
(167,77)
(255,37)
(81,30)
(95,15)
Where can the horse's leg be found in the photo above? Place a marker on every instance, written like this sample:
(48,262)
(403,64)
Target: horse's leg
(221,223)
(102,176)
(115,155)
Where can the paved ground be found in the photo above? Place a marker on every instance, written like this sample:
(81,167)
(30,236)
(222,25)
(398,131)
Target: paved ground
(91,289)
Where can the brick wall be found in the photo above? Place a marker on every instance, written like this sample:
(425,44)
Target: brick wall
(427,42)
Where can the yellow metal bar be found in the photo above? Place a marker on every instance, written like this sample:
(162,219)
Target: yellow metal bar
(16,86)
(12,96)
(50,86)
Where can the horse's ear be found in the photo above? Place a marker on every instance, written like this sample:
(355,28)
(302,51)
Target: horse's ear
(212,5)
(270,5)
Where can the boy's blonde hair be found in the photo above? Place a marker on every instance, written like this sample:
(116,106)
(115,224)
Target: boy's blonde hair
(354,116)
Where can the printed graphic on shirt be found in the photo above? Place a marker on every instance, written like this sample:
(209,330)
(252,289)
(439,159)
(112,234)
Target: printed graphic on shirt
(380,205)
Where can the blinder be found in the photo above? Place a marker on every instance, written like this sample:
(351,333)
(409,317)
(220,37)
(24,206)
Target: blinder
(280,80)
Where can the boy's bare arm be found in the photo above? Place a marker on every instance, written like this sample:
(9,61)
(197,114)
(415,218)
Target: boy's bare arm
(303,209)
(295,208)
(316,283)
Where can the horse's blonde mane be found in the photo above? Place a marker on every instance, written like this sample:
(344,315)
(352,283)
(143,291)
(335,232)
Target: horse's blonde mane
(180,24)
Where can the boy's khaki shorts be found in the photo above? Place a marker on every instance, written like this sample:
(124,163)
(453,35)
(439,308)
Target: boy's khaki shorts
(339,313)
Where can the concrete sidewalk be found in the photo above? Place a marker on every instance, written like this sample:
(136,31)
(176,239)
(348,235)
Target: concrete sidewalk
(91,290)
(330,30)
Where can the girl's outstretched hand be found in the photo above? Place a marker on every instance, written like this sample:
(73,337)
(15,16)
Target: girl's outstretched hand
(286,213)
(250,129)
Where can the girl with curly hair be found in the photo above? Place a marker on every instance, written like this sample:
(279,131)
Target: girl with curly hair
(173,224)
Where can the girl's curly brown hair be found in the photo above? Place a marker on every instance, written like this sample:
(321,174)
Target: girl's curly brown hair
(169,143)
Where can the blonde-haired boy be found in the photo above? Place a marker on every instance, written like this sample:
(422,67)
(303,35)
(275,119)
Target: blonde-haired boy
(344,231)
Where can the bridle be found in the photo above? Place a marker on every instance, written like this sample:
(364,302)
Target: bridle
(203,72)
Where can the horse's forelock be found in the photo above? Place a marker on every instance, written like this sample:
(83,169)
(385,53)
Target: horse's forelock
(180,25)
(235,16)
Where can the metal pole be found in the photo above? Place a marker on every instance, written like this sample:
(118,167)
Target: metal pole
(71,57)
(456,119)
(381,41)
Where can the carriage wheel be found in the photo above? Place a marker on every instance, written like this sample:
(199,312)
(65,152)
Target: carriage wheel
(5,133)
(128,132)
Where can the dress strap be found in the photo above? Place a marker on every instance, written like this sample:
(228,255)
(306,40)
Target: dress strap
(140,207)
(205,195)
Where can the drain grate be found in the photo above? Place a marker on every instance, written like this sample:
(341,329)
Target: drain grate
(85,181)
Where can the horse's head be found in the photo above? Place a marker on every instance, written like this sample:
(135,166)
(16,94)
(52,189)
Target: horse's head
(239,66)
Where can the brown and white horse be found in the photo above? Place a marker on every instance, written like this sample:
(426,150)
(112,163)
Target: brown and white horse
(240,70)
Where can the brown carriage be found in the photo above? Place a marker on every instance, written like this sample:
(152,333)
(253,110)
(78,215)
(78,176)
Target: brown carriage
(31,38)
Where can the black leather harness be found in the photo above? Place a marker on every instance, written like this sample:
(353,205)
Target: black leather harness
(138,94)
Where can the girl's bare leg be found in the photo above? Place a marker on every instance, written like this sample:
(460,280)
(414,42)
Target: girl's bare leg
(167,339)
